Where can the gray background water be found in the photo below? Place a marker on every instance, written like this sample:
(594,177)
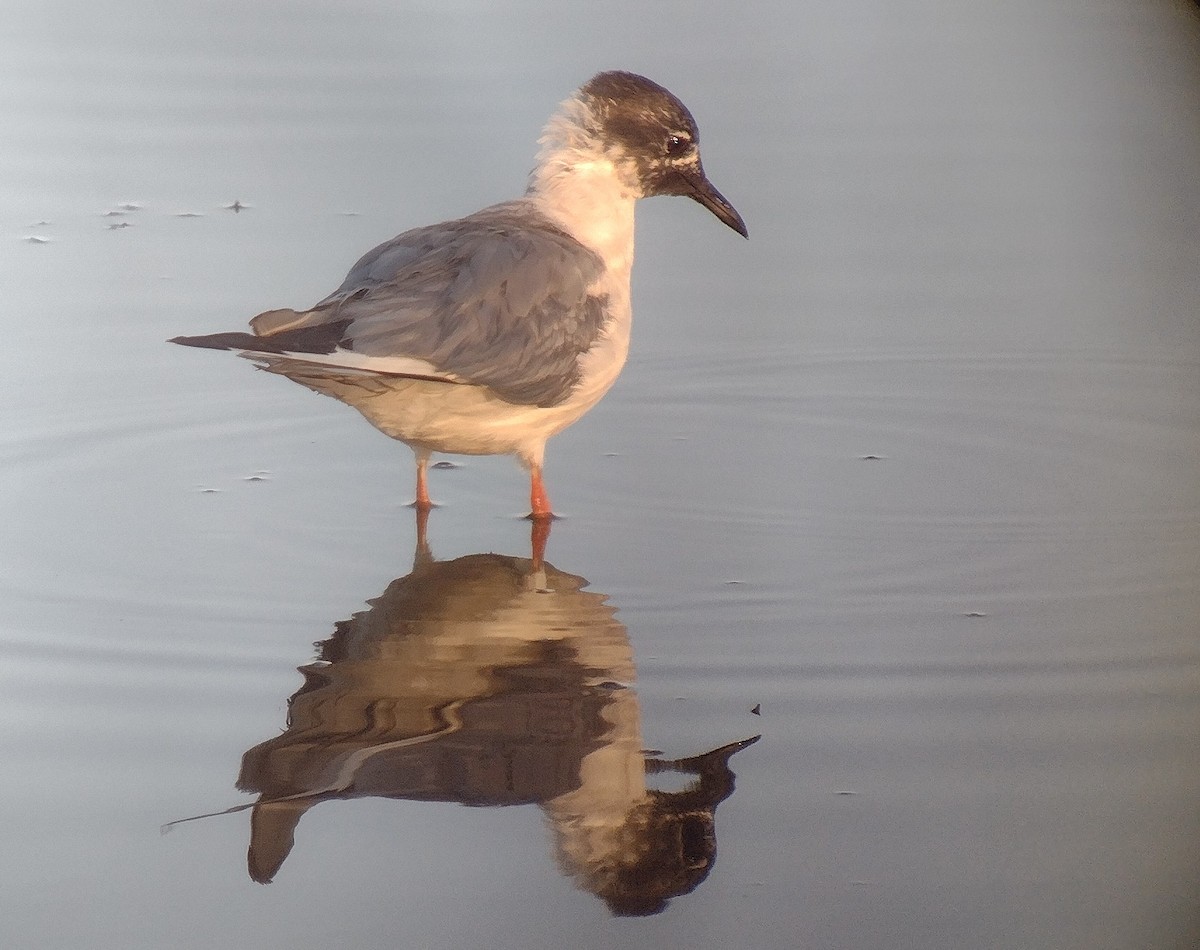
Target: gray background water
(975,253)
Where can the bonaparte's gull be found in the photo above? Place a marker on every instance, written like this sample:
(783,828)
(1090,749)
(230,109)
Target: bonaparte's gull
(488,334)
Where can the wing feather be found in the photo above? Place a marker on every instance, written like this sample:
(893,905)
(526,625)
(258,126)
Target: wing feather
(499,299)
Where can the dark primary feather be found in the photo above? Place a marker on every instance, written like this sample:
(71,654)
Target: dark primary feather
(319,339)
(497,299)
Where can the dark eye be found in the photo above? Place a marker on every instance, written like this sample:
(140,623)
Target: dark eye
(677,143)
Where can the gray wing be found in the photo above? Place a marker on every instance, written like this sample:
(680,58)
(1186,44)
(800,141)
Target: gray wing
(498,299)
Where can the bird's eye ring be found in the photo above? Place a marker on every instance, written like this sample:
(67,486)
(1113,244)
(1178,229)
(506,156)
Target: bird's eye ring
(678,144)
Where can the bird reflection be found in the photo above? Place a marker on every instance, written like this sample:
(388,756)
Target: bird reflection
(493,680)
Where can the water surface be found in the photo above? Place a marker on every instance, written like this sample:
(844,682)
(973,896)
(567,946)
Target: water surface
(906,484)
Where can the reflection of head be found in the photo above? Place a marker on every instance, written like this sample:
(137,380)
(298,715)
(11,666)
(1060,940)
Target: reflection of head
(486,681)
(668,854)
(661,848)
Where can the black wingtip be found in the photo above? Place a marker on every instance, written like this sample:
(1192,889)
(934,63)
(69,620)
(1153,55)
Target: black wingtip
(323,338)
(218,341)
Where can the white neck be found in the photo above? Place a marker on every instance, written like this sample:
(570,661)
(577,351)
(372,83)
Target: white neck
(588,192)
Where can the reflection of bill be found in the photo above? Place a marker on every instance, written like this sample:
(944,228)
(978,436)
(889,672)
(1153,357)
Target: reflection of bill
(486,681)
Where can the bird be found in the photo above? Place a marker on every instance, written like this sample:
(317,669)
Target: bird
(488,334)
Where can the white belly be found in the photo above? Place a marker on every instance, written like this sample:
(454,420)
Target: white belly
(461,419)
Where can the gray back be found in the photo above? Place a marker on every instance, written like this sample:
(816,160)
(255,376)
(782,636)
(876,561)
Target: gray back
(499,298)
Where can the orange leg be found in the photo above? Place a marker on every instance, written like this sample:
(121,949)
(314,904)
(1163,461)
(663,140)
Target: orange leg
(539,501)
(422,503)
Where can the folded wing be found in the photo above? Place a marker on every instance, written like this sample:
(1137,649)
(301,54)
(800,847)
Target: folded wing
(498,299)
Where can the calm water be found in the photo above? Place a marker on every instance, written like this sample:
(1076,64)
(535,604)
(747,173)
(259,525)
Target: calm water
(908,485)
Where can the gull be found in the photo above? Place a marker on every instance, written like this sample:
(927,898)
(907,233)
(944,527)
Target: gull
(488,334)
